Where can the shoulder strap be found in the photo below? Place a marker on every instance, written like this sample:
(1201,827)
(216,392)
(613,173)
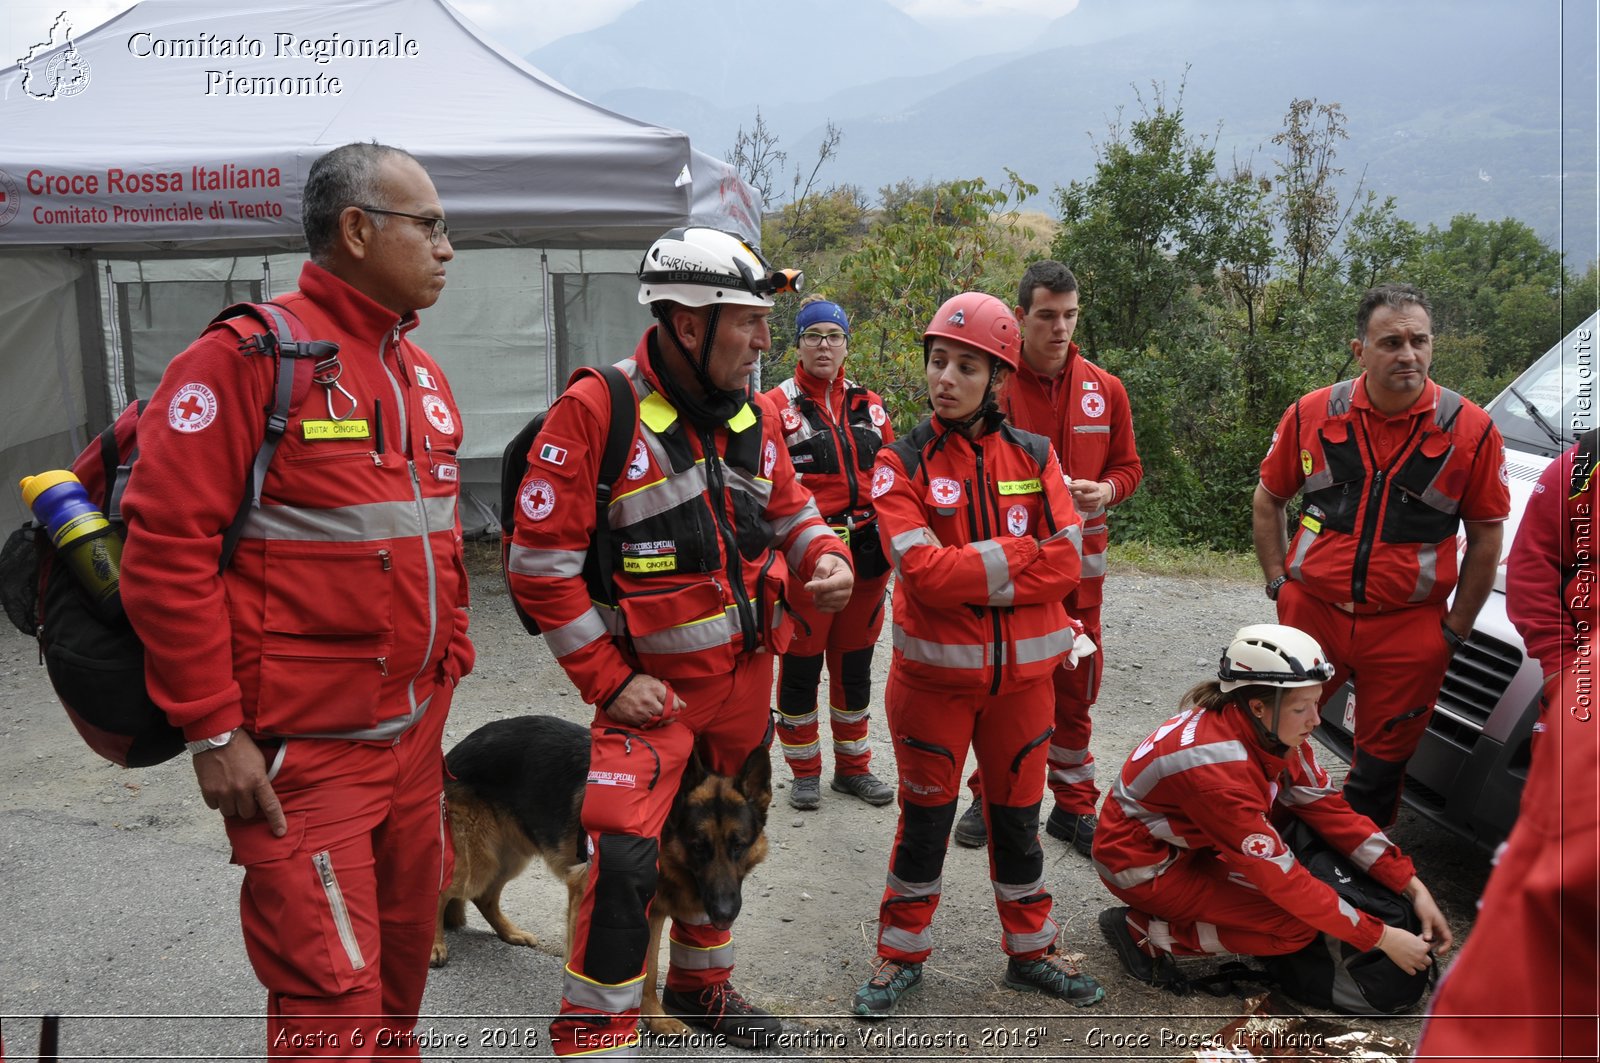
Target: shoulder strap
(1449,405)
(624,416)
(289,389)
(113,469)
(1339,398)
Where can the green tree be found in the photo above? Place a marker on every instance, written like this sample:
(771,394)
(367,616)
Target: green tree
(1309,203)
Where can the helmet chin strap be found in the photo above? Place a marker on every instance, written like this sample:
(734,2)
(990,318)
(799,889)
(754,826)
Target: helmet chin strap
(1269,735)
(701,367)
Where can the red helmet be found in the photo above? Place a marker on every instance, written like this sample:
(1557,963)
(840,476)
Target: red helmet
(978,320)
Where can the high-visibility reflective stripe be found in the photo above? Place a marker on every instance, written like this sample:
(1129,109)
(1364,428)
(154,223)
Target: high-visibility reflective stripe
(739,480)
(1092,429)
(658,497)
(1159,934)
(1427,573)
(1368,852)
(1318,481)
(1014,891)
(1072,532)
(898,545)
(1044,647)
(940,655)
(1209,941)
(850,749)
(796,554)
(1303,541)
(743,419)
(1438,499)
(1135,876)
(555,564)
(1094,566)
(1065,756)
(847,715)
(1296,796)
(905,940)
(1042,938)
(363,522)
(901,888)
(1349,912)
(1183,760)
(590,995)
(1072,776)
(801,752)
(690,958)
(656,412)
(1094,529)
(386,730)
(796,719)
(576,634)
(996,570)
(693,637)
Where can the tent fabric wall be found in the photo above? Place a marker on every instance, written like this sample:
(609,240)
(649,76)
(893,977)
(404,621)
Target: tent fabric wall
(41,379)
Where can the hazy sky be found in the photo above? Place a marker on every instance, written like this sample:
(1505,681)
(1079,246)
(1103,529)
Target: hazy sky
(519,25)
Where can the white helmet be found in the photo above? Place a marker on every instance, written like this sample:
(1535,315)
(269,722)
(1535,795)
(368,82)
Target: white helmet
(705,267)
(1273,655)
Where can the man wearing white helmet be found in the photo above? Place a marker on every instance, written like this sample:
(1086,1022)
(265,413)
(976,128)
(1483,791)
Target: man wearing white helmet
(675,647)
(1186,837)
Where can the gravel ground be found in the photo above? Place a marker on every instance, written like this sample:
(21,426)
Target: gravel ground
(119,899)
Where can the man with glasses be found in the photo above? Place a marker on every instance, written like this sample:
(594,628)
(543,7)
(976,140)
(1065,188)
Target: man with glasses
(313,676)
(834,430)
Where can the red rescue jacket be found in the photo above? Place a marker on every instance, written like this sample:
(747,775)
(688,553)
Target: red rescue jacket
(833,430)
(697,576)
(1203,784)
(1379,534)
(345,604)
(979,603)
(1084,412)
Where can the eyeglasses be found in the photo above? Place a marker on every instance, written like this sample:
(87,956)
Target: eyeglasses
(437,227)
(817,339)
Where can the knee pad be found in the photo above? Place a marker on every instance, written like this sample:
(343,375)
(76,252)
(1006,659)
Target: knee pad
(1018,858)
(924,836)
(619,924)
(797,683)
(855,670)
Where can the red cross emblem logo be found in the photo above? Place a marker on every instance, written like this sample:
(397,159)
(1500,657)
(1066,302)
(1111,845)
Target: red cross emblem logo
(1094,404)
(946,492)
(882,480)
(1257,845)
(193,407)
(538,499)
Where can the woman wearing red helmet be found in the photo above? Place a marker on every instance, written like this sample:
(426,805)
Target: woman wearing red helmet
(984,540)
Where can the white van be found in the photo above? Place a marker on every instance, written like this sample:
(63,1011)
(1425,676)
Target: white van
(1468,772)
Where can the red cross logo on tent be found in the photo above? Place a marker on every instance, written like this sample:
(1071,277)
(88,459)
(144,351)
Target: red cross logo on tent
(193,407)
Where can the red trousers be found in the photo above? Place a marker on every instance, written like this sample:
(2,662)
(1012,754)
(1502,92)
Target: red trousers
(338,913)
(1070,764)
(933,729)
(1397,661)
(846,639)
(1524,987)
(633,779)
(1193,908)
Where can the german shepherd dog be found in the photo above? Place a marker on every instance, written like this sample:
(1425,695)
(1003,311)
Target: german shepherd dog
(517,791)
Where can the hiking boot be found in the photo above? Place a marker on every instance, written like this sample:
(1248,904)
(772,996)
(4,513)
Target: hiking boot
(1159,970)
(806,792)
(1053,975)
(867,786)
(891,980)
(971,830)
(723,1010)
(1077,830)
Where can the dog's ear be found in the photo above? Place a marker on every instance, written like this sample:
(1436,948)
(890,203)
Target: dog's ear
(755,778)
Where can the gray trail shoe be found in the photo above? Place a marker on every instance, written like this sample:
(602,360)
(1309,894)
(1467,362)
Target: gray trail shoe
(1053,975)
(806,792)
(867,786)
(971,830)
(891,980)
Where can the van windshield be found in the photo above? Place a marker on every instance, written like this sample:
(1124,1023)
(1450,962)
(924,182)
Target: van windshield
(1553,401)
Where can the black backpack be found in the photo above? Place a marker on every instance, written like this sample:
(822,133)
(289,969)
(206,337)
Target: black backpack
(96,665)
(514,469)
(1329,973)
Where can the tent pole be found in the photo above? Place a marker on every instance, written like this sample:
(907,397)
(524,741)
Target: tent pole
(549,331)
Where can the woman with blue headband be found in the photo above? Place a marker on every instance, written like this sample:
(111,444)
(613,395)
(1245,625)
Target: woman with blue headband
(834,430)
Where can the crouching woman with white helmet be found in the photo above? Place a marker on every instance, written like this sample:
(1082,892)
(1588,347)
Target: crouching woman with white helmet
(985,545)
(1186,837)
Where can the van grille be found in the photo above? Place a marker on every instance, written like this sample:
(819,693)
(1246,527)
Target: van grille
(1477,678)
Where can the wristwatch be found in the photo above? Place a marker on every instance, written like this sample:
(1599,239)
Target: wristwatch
(205,745)
(1274,586)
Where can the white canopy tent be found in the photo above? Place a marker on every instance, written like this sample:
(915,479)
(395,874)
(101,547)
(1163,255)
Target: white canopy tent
(150,173)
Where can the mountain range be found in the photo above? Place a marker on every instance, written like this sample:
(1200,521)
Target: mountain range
(1481,106)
